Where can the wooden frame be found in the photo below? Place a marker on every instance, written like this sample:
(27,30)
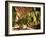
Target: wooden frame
(6,17)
